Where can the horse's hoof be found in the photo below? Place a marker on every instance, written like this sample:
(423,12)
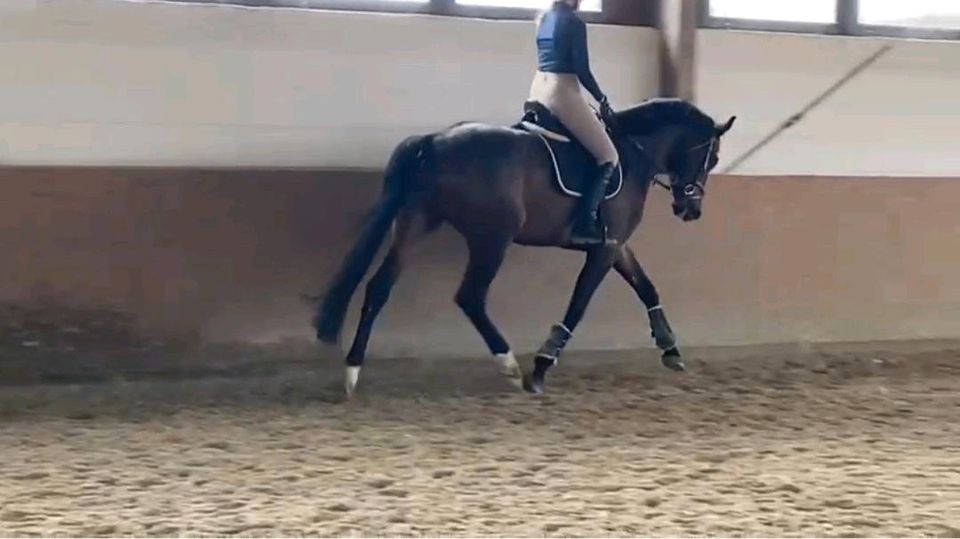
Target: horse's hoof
(673,360)
(536,381)
(532,385)
(510,369)
(515,379)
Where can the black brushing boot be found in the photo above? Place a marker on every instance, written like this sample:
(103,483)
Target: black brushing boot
(547,357)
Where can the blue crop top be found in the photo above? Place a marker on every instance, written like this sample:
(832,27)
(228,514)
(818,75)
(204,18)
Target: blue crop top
(562,46)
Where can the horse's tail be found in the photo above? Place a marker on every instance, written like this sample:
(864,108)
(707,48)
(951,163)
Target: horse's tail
(409,158)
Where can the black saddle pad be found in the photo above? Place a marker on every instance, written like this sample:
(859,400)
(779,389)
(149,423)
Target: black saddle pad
(573,164)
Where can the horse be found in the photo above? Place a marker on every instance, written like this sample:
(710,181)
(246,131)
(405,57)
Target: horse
(496,185)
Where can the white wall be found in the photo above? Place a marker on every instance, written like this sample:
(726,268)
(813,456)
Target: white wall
(900,117)
(112,82)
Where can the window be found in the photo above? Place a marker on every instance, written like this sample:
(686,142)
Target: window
(804,11)
(930,14)
(937,19)
(586,5)
(615,12)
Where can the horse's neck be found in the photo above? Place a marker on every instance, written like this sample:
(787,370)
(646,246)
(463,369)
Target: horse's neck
(658,144)
(645,156)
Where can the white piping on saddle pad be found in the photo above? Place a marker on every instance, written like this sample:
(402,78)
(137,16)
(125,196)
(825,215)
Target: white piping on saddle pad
(568,192)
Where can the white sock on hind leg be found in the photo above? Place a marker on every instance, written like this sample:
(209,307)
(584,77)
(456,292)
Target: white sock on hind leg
(509,366)
(352,375)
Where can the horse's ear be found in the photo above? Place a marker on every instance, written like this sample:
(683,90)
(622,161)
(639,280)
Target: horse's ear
(722,129)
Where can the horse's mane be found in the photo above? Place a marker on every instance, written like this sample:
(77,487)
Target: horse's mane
(647,116)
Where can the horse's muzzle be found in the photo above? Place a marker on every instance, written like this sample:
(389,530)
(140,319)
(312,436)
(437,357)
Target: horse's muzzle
(687,209)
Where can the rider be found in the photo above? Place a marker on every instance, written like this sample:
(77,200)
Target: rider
(563,66)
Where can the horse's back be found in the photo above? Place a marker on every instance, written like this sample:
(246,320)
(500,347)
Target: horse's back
(480,149)
(478,137)
(480,170)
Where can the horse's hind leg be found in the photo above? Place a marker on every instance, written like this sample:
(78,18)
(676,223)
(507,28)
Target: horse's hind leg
(486,256)
(631,271)
(408,228)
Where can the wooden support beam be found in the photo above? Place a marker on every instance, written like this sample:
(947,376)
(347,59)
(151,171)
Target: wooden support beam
(678,43)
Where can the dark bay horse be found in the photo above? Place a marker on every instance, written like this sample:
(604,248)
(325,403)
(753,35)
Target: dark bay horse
(496,186)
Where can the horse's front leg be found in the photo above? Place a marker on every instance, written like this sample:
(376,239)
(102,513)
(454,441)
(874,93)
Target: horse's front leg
(627,266)
(598,264)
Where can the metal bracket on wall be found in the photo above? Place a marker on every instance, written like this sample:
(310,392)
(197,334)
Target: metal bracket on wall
(800,115)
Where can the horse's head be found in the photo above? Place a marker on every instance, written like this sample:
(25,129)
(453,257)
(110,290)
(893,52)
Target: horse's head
(689,166)
(682,142)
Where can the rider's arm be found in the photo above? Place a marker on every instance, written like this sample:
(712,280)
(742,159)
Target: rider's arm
(581,60)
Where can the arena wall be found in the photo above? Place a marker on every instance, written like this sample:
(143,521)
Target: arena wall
(199,168)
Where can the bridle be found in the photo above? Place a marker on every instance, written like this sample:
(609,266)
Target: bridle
(696,189)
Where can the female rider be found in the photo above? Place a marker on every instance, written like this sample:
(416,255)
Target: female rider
(564,65)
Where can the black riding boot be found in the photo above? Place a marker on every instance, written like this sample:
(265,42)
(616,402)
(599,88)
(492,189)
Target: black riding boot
(588,230)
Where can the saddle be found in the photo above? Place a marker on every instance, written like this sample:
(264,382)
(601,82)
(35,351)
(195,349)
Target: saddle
(573,164)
